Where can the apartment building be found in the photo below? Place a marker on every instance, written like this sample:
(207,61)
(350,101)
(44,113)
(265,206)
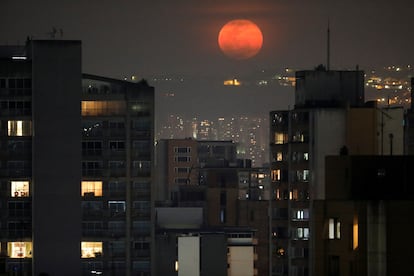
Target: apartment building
(117,143)
(232,199)
(330,118)
(75,163)
(361,227)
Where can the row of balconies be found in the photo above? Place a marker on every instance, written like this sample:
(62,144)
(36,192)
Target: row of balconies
(16,112)
(113,133)
(120,172)
(15,234)
(107,194)
(112,234)
(16,213)
(88,214)
(145,155)
(15,172)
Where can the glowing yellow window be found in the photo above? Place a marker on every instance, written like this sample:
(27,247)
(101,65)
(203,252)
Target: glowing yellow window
(275,175)
(91,249)
(280,138)
(98,108)
(19,249)
(293,195)
(19,188)
(355,234)
(19,128)
(279,156)
(91,188)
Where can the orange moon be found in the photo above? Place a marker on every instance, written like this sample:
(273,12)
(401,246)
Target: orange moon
(240,39)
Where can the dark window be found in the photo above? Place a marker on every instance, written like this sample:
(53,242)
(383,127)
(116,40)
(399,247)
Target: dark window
(12,83)
(223,198)
(333,266)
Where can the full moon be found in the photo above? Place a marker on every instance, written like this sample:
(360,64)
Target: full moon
(240,39)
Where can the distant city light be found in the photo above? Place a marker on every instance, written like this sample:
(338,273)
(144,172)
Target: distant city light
(233,82)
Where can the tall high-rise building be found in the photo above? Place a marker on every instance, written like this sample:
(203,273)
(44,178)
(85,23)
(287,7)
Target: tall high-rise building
(329,118)
(76,165)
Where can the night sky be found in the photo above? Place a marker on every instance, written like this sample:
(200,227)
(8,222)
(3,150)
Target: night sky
(178,38)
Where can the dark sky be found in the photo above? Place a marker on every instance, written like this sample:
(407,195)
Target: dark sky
(179,37)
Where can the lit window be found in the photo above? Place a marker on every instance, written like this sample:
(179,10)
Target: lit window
(176,266)
(91,249)
(302,175)
(334,229)
(223,215)
(280,252)
(298,137)
(302,214)
(306,156)
(279,156)
(91,188)
(280,138)
(19,249)
(355,234)
(19,128)
(305,175)
(98,108)
(301,233)
(306,233)
(19,188)
(293,195)
(275,175)
(278,194)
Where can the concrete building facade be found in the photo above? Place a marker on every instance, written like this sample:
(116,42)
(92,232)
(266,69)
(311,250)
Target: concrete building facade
(360,228)
(231,195)
(329,118)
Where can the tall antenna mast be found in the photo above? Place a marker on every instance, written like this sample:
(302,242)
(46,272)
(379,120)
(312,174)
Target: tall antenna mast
(328,49)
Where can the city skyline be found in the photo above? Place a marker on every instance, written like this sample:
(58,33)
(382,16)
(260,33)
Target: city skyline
(179,38)
(114,222)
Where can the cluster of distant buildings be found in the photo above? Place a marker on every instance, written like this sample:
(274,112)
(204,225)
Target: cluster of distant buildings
(86,189)
(250,133)
(389,86)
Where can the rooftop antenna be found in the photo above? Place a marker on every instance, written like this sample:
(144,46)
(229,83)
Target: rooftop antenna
(328,48)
